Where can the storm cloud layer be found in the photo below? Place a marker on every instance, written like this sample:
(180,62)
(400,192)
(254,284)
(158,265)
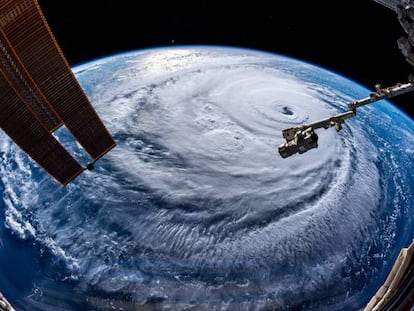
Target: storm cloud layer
(195,208)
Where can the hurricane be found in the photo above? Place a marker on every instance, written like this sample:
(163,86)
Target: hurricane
(195,210)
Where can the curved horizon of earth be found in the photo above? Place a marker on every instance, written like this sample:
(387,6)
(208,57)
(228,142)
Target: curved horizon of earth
(195,209)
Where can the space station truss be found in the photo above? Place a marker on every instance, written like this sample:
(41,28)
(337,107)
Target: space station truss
(39,93)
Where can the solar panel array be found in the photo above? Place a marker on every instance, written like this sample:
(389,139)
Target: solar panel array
(41,93)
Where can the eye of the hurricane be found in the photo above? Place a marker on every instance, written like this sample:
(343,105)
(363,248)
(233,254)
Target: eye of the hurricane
(287,111)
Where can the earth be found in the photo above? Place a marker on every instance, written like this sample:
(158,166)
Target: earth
(195,209)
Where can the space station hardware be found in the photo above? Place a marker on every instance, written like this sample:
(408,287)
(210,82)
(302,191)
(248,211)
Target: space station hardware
(397,293)
(303,138)
(39,94)
(405,13)
(4,304)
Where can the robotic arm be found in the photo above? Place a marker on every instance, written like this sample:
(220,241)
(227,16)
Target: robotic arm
(303,138)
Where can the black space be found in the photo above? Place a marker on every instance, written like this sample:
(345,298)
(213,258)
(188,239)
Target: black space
(356,38)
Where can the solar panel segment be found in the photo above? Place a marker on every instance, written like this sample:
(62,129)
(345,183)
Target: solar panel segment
(43,92)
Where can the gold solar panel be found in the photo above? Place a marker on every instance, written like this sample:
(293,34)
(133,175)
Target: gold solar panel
(27,89)
(36,70)
(21,125)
